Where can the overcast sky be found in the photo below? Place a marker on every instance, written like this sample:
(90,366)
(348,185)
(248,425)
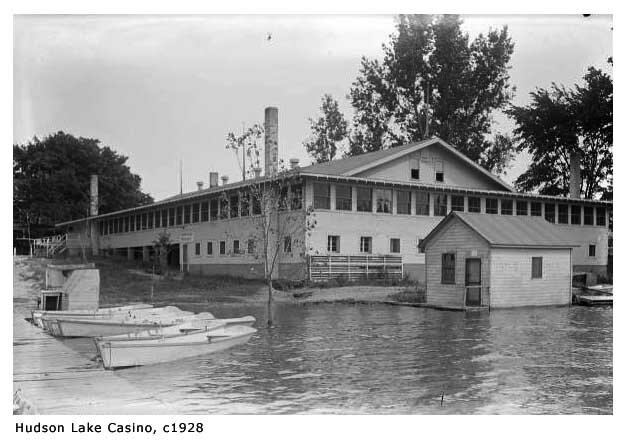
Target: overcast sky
(159,89)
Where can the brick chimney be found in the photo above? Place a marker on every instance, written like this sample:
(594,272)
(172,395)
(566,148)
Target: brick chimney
(575,175)
(213,179)
(93,196)
(271,129)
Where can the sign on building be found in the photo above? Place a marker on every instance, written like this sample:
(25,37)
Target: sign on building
(187,237)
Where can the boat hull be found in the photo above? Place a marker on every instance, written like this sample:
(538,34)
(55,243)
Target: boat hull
(99,328)
(128,352)
(38,316)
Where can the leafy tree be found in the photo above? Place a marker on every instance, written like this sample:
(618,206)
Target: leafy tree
(327,131)
(560,121)
(247,144)
(51,179)
(276,212)
(431,71)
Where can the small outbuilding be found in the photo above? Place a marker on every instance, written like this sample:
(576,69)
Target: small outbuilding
(485,260)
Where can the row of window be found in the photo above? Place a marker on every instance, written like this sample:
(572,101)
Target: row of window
(233,206)
(251,247)
(365,244)
(380,201)
(448,268)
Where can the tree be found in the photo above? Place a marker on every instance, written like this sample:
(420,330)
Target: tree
(247,144)
(327,131)
(279,223)
(51,179)
(434,81)
(560,121)
(162,247)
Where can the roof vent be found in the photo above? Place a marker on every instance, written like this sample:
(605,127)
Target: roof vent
(294,163)
(199,184)
(225,179)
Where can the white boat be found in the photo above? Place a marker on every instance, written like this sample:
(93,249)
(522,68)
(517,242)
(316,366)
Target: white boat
(128,322)
(168,344)
(39,315)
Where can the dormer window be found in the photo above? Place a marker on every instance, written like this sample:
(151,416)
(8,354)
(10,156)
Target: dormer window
(439,171)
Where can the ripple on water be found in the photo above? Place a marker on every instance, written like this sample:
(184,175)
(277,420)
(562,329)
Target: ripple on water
(378,359)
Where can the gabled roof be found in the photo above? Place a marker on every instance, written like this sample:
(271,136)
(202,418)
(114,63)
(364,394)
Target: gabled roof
(503,231)
(357,164)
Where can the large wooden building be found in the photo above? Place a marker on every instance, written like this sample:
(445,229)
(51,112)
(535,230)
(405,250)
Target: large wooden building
(371,212)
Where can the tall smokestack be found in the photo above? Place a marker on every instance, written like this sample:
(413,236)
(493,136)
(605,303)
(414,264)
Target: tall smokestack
(575,175)
(213,179)
(271,129)
(93,196)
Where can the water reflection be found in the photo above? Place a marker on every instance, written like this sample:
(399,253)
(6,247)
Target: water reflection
(381,359)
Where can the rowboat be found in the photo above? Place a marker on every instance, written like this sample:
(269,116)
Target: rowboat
(39,315)
(128,322)
(168,344)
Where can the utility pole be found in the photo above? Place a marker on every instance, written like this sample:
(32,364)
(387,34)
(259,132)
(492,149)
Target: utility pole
(181,174)
(243,153)
(427,112)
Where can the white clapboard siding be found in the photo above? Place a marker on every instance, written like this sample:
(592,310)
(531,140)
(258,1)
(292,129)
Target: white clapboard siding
(512,285)
(459,239)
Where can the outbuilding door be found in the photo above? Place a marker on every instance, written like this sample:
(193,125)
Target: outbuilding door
(473,281)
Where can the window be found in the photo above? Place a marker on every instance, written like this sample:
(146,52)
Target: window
(415,173)
(179,215)
(256,204)
(296,192)
(439,171)
(403,202)
(209,248)
(131,223)
(384,200)
(521,208)
(224,207)
(575,214)
(365,244)
(364,199)
(322,195)
(562,214)
(204,211)
(235,205)
(549,212)
(284,197)
(171,217)
(197,248)
(222,247)
(144,221)
(150,219)
(395,245)
(440,205)
(507,206)
(115,226)
(213,209)
(601,216)
(236,246)
(422,203)
(448,268)
(457,203)
(287,244)
(101,227)
(491,206)
(157,219)
(588,216)
(244,205)
(196,213)
(250,245)
(343,197)
(164,218)
(592,250)
(474,204)
(138,222)
(536,208)
(536,267)
(333,244)
(187,214)
(126,224)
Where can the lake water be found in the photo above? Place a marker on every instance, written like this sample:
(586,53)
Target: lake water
(380,359)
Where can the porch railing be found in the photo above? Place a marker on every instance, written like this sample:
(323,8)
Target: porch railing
(355,267)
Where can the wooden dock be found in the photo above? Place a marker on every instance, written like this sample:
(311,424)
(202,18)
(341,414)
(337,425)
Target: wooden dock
(594,300)
(52,377)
